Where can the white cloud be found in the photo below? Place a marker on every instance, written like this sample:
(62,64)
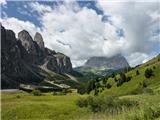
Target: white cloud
(3,2)
(80,32)
(17,25)
(139,20)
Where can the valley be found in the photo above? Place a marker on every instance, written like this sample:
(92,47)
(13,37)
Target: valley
(80,60)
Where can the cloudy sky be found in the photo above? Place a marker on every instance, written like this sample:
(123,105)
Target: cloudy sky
(82,29)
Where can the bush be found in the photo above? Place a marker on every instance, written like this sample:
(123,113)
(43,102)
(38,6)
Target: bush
(154,67)
(115,79)
(151,113)
(107,104)
(82,102)
(137,72)
(36,92)
(96,91)
(148,73)
(144,84)
(128,78)
(54,93)
(81,89)
(108,86)
(104,81)
(122,79)
(18,96)
(91,86)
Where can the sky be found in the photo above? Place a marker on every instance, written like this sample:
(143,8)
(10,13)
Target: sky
(83,29)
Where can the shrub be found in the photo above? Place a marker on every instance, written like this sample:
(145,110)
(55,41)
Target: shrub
(91,86)
(151,113)
(113,75)
(108,86)
(128,78)
(154,67)
(18,96)
(104,81)
(107,104)
(96,91)
(82,102)
(115,79)
(144,84)
(148,73)
(122,79)
(36,92)
(54,93)
(137,72)
(81,89)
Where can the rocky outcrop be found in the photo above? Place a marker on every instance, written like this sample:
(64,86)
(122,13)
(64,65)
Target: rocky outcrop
(21,56)
(28,44)
(39,40)
(14,69)
(115,62)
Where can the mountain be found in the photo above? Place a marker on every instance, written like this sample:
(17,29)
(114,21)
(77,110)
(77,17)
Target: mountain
(138,83)
(103,65)
(115,62)
(28,61)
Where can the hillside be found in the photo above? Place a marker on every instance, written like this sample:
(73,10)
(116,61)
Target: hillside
(136,81)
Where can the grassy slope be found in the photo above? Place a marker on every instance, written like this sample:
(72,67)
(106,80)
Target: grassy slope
(152,83)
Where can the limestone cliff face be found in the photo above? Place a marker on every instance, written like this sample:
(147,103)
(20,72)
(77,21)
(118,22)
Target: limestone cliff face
(115,62)
(20,55)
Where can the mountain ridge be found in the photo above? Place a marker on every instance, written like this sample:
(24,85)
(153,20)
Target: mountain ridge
(22,56)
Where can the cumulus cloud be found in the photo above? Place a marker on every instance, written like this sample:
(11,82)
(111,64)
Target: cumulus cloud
(18,25)
(139,20)
(3,2)
(80,32)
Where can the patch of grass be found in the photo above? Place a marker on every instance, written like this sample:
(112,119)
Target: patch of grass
(47,106)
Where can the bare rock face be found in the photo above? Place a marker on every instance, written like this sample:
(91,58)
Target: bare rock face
(115,62)
(28,44)
(21,56)
(39,40)
(63,62)
(14,69)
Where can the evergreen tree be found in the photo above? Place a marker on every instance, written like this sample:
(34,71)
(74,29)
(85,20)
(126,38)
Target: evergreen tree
(148,73)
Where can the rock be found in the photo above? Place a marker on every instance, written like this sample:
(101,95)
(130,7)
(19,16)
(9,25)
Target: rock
(64,63)
(14,69)
(39,40)
(28,44)
(22,57)
(115,62)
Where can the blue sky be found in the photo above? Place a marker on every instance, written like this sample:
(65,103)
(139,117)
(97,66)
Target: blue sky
(82,29)
(15,8)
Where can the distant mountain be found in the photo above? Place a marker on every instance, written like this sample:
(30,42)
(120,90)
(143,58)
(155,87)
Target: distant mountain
(28,61)
(103,65)
(115,62)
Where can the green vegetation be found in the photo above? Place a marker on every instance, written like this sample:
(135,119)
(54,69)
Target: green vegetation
(36,93)
(136,98)
(46,106)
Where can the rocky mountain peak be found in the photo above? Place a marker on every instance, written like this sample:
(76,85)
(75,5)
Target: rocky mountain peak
(114,62)
(39,40)
(22,57)
(27,41)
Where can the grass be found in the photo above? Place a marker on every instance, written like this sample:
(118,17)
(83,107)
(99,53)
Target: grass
(128,87)
(21,105)
(47,106)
